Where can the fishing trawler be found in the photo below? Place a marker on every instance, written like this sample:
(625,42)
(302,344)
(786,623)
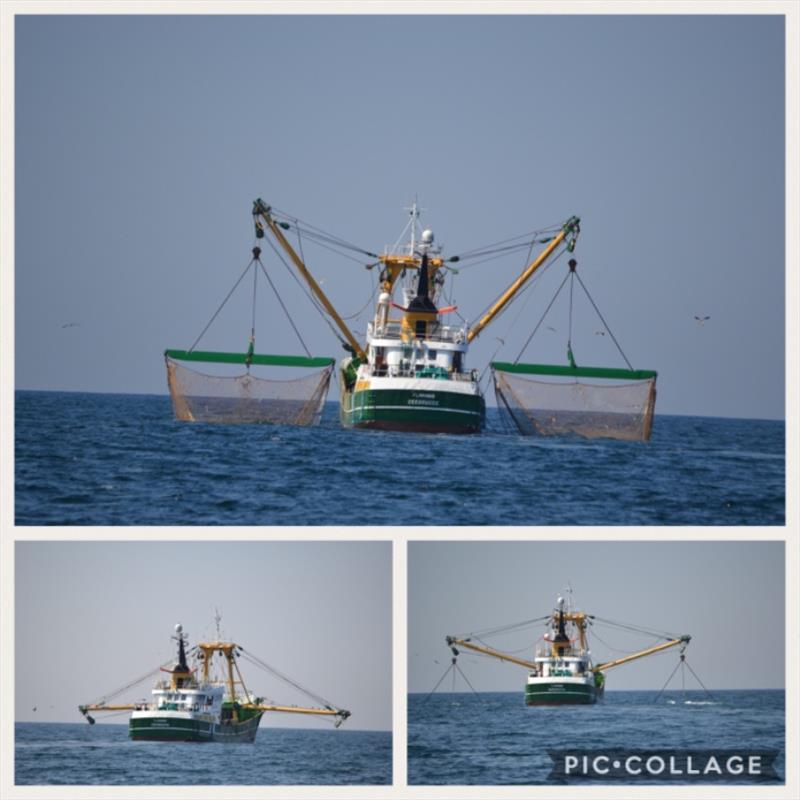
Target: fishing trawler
(205,707)
(409,370)
(562,671)
(412,373)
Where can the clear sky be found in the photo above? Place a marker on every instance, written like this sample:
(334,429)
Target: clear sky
(142,141)
(92,616)
(729,596)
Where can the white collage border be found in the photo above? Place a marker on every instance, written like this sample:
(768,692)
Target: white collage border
(400,537)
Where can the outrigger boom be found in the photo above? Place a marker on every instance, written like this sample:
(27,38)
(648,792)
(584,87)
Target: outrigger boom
(570,229)
(261,211)
(452,642)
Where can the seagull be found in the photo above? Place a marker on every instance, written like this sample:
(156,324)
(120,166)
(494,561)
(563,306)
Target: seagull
(701,320)
(71,325)
(551,328)
(599,333)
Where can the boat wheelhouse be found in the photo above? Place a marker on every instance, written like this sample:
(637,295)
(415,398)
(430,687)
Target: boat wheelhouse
(414,376)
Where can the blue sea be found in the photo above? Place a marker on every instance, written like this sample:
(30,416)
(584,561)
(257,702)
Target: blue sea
(493,738)
(106,459)
(76,753)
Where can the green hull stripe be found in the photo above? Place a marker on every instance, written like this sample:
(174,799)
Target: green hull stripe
(566,693)
(443,419)
(244,358)
(419,400)
(575,372)
(415,411)
(169,728)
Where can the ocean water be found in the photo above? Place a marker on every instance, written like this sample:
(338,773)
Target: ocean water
(103,459)
(77,753)
(493,738)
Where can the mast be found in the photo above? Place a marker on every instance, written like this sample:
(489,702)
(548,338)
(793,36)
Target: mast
(414,217)
(561,641)
(261,211)
(570,229)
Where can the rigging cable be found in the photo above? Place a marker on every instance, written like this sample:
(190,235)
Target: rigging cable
(312,230)
(494,247)
(688,666)
(595,635)
(529,284)
(594,305)
(253,659)
(668,680)
(461,673)
(228,297)
(542,318)
(453,666)
(253,318)
(117,692)
(285,310)
(625,626)
(524,649)
(314,302)
(504,628)
(438,683)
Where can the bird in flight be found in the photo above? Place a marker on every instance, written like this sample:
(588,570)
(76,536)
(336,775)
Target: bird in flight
(599,333)
(71,325)
(701,320)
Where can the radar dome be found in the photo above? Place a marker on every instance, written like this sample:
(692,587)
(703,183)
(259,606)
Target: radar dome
(179,628)
(427,236)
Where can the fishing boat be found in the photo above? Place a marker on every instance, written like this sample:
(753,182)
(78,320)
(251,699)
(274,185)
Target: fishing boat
(197,703)
(562,671)
(409,370)
(412,372)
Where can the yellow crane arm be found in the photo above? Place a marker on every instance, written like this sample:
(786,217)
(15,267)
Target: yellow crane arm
(261,211)
(452,641)
(104,707)
(571,228)
(683,640)
(326,712)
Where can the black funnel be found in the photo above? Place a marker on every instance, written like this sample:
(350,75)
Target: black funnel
(181,665)
(422,302)
(561,635)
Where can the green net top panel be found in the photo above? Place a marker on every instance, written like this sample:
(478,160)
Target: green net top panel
(575,372)
(261,359)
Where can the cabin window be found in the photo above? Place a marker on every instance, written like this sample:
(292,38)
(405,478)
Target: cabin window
(457,360)
(432,355)
(419,328)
